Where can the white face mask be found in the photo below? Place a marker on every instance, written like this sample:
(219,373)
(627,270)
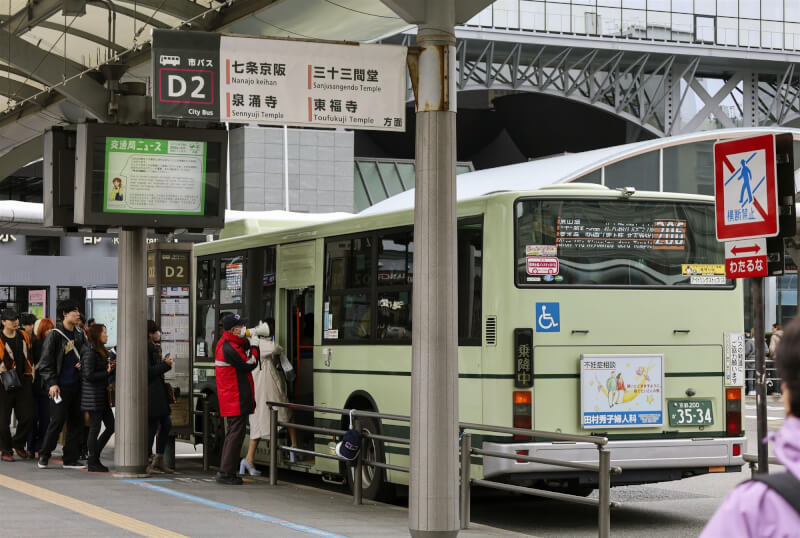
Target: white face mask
(240,332)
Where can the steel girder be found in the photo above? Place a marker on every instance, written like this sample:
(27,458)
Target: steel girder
(182,9)
(94,38)
(649,90)
(51,69)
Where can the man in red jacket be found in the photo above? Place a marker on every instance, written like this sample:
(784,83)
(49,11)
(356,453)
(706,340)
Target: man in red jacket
(234,359)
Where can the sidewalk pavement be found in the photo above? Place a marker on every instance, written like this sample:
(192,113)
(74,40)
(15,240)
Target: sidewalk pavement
(64,503)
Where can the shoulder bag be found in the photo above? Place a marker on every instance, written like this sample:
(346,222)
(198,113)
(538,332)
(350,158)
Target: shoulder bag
(10,378)
(785,485)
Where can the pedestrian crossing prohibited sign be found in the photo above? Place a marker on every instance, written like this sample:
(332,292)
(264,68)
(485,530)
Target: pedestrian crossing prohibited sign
(745,187)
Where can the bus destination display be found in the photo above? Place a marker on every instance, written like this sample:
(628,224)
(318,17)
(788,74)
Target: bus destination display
(658,234)
(154,176)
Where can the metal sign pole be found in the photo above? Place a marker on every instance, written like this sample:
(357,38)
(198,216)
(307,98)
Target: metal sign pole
(761,373)
(130,447)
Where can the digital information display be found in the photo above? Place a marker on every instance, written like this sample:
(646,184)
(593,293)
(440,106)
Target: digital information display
(153,176)
(166,178)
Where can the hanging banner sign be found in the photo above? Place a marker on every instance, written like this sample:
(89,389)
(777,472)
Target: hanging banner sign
(278,81)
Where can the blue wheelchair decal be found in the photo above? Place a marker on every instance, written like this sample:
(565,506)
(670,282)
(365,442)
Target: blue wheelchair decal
(548,318)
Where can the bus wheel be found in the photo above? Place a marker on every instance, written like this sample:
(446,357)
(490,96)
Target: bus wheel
(373,479)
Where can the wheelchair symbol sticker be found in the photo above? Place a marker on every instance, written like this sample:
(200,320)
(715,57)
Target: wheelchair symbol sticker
(547,318)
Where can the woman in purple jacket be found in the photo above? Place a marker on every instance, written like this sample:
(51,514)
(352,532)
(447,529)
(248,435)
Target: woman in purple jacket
(753,508)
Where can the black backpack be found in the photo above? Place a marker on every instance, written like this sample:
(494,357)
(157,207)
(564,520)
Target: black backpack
(784,484)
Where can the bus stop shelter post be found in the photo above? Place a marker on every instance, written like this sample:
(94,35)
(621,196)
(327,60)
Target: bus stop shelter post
(433,492)
(761,373)
(130,447)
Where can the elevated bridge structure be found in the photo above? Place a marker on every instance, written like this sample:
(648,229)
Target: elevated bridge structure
(667,66)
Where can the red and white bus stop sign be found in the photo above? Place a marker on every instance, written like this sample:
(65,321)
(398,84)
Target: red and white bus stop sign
(745,187)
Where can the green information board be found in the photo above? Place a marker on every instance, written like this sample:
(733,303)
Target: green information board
(154,176)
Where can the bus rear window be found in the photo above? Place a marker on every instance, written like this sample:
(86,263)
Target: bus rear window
(613,242)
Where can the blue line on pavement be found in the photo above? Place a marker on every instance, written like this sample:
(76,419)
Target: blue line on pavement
(236,510)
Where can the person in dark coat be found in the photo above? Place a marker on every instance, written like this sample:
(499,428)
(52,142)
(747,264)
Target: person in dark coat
(59,369)
(94,394)
(15,354)
(158,411)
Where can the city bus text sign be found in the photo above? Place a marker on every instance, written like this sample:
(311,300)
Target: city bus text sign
(205,76)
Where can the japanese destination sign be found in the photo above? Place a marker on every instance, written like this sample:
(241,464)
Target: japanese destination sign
(199,75)
(622,391)
(145,175)
(745,187)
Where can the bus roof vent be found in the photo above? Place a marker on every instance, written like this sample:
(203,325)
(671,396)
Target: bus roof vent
(491,330)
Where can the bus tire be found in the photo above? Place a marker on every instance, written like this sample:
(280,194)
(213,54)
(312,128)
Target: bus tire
(374,484)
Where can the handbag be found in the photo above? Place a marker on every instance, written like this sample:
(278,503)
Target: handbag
(11,380)
(170,392)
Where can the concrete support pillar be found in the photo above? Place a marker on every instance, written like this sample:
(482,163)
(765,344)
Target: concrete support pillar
(130,446)
(433,490)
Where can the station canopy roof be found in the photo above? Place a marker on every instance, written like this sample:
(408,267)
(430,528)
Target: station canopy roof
(50,50)
(586,167)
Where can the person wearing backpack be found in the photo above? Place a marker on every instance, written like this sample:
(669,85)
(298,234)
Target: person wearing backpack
(60,368)
(769,504)
(15,357)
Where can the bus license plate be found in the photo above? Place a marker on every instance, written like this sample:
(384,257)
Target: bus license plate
(690,412)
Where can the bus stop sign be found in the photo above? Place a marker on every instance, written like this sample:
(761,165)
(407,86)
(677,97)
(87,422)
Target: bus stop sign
(745,188)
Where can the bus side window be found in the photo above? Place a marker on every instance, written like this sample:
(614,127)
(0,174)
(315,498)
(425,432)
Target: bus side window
(470,281)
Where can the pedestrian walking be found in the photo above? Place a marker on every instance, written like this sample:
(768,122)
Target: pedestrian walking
(234,360)
(159,422)
(59,367)
(769,505)
(94,394)
(41,400)
(16,390)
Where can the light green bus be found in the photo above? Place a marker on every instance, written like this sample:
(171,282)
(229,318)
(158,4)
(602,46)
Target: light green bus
(581,309)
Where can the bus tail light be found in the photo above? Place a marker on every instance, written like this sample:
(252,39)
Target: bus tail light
(733,411)
(737,450)
(522,413)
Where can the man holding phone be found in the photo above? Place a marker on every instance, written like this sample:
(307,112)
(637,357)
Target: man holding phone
(59,368)
(159,422)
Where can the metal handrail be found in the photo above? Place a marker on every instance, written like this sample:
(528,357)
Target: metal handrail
(554,436)
(752,462)
(603,467)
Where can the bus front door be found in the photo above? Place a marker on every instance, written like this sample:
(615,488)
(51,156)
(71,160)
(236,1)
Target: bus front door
(299,340)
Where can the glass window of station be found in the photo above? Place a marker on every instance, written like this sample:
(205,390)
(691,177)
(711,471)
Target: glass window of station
(687,168)
(368,286)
